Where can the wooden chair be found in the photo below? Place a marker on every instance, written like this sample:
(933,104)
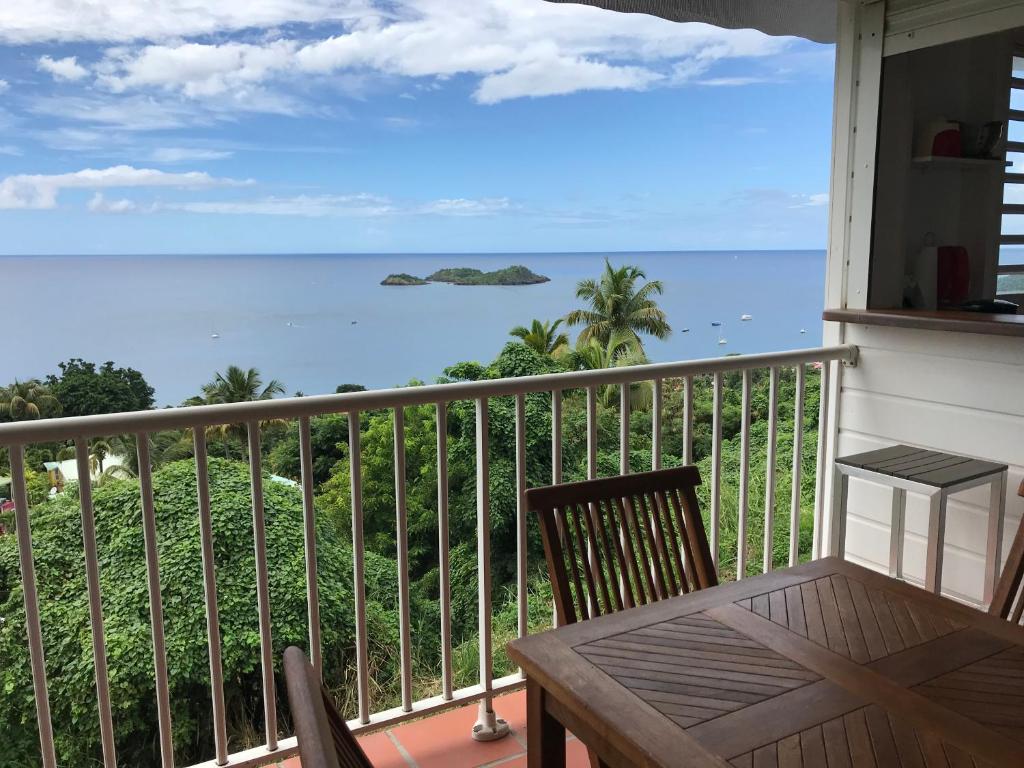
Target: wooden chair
(1008,587)
(324,739)
(621,542)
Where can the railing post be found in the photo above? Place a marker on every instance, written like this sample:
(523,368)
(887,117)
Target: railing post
(444,567)
(743,502)
(309,544)
(769,479)
(716,466)
(488,726)
(820,469)
(798,451)
(402,535)
(355,468)
(31,597)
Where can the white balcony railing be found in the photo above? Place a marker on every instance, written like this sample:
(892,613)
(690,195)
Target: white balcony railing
(17,436)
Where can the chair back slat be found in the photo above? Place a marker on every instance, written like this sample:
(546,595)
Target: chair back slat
(621,542)
(324,739)
(1007,598)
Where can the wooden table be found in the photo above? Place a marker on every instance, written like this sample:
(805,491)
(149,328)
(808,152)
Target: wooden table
(826,664)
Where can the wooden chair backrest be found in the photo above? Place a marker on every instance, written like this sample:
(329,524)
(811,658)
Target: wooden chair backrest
(324,739)
(1008,591)
(620,542)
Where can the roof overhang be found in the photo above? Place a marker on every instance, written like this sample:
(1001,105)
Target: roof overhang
(812,19)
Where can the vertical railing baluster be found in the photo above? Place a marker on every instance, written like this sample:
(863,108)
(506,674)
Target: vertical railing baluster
(309,544)
(624,429)
(156,611)
(486,726)
(556,463)
(522,593)
(743,503)
(820,470)
(31,598)
(656,409)
(402,536)
(220,735)
(92,582)
(688,420)
(556,437)
(591,433)
(716,466)
(358,566)
(444,567)
(259,530)
(798,450)
(769,477)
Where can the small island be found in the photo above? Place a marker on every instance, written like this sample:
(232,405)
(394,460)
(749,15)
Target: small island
(403,279)
(514,275)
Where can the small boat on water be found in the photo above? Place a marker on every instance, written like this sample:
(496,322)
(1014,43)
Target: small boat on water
(715,324)
(803,330)
(355,322)
(214,335)
(746,317)
(722,342)
(686,330)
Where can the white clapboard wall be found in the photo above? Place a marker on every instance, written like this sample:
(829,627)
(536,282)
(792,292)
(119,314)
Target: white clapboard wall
(962,393)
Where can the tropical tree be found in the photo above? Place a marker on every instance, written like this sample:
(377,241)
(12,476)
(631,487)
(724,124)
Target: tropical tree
(237,386)
(85,389)
(621,350)
(619,302)
(543,338)
(24,400)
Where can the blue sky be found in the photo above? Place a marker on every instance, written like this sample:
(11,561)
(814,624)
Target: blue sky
(402,126)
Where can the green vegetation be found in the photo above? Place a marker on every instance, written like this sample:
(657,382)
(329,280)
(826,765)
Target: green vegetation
(85,390)
(618,305)
(615,327)
(403,278)
(542,337)
(30,399)
(1010,284)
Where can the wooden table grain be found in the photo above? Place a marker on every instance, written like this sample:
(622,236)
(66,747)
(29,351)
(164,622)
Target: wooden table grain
(826,664)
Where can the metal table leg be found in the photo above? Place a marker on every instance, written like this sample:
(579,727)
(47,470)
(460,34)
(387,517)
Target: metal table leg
(896,532)
(840,496)
(994,547)
(936,541)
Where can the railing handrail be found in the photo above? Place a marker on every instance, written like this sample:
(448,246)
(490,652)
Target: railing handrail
(184,417)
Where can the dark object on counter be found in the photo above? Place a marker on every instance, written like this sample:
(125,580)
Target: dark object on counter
(991,306)
(954,275)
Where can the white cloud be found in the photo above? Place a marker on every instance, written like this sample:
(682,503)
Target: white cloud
(99,204)
(171,155)
(35,21)
(460,206)
(362,205)
(312,206)
(10,149)
(516,48)
(62,69)
(40,191)
(4,85)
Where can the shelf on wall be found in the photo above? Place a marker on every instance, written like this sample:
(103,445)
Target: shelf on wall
(939,161)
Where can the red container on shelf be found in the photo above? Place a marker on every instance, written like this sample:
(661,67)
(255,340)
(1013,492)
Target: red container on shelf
(954,275)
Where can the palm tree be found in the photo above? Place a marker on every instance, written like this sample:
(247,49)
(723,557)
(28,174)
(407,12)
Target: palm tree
(618,305)
(621,350)
(236,386)
(542,337)
(24,400)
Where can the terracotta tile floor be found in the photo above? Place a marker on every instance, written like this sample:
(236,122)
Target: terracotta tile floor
(443,741)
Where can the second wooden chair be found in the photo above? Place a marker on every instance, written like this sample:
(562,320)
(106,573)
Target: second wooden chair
(620,542)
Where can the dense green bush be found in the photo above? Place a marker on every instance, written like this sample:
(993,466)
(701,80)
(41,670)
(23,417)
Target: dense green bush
(65,618)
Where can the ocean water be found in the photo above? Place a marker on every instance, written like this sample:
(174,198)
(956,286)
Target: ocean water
(316,321)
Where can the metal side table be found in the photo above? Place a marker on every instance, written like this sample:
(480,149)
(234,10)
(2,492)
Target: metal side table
(935,475)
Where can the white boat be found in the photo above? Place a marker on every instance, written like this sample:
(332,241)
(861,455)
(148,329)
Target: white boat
(214,335)
(686,330)
(722,342)
(746,317)
(803,330)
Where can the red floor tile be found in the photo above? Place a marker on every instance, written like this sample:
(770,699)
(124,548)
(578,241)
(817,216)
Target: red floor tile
(291,762)
(382,751)
(444,741)
(575,757)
